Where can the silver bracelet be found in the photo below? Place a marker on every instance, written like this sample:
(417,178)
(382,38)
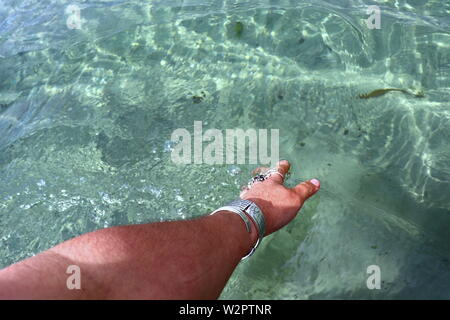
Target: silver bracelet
(244,208)
(255,213)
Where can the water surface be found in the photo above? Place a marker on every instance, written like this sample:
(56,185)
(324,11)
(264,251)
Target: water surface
(86,118)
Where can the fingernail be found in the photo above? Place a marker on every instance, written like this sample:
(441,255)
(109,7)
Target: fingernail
(315,182)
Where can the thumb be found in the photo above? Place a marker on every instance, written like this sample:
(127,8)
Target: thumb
(307,188)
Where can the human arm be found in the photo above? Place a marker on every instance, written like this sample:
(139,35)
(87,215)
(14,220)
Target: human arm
(190,259)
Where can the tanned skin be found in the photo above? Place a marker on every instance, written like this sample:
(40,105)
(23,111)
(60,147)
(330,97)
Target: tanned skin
(190,259)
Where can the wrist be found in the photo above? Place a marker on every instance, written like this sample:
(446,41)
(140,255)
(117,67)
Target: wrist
(233,229)
(263,206)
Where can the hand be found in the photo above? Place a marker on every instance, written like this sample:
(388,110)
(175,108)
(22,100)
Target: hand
(279,204)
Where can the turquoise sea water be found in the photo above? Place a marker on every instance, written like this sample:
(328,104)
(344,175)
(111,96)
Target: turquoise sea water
(86,117)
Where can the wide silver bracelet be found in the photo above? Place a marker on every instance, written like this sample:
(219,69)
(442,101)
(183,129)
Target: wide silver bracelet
(245,209)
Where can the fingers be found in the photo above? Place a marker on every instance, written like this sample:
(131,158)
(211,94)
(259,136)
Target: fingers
(283,168)
(260,170)
(307,188)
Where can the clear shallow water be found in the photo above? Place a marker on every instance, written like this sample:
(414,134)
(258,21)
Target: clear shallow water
(86,117)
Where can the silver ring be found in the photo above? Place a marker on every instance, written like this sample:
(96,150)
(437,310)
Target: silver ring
(265,176)
(274,171)
(257,178)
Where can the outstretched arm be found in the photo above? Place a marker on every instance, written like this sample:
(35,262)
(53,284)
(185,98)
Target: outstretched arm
(191,259)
